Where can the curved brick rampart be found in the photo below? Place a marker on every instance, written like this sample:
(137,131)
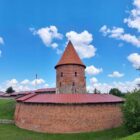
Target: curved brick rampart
(56,118)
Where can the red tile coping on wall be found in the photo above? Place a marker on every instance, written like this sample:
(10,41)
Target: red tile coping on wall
(45,90)
(70,98)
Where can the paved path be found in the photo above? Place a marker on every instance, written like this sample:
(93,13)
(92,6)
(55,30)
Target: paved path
(5,121)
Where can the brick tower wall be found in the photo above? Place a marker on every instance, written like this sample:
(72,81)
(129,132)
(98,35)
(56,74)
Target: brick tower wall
(70,79)
(68,118)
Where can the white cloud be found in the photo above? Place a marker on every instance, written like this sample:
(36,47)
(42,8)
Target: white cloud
(12,82)
(1,41)
(93,80)
(102,87)
(22,88)
(24,85)
(46,85)
(25,82)
(92,70)
(119,34)
(54,45)
(37,82)
(48,35)
(82,43)
(116,74)
(105,87)
(134,58)
(137,81)
(58,51)
(133,20)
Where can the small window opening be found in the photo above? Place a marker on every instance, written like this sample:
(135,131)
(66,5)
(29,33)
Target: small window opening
(75,74)
(60,84)
(61,74)
(73,84)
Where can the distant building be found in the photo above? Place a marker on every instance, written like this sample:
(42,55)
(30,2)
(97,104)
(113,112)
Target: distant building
(46,90)
(1,92)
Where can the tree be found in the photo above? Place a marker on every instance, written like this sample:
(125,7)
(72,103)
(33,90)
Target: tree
(96,91)
(131,111)
(10,90)
(138,84)
(116,92)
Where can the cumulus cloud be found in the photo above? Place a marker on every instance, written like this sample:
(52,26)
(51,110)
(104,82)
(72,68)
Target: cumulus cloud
(134,58)
(1,41)
(93,80)
(116,74)
(82,43)
(46,85)
(58,51)
(15,84)
(37,82)
(24,85)
(119,34)
(92,70)
(105,87)
(12,82)
(25,82)
(48,35)
(133,20)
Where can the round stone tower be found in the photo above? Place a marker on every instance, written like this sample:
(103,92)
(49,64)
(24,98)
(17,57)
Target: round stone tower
(70,72)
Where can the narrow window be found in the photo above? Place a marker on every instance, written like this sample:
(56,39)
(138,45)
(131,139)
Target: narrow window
(61,74)
(73,84)
(75,74)
(60,84)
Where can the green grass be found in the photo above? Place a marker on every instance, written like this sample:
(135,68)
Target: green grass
(135,136)
(11,132)
(7,108)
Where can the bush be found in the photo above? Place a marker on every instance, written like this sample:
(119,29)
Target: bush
(116,92)
(131,110)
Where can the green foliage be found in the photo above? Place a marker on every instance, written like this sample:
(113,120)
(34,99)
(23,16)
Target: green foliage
(135,136)
(11,132)
(7,108)
(96,91)
(10,90)
(116,92)
(131,110)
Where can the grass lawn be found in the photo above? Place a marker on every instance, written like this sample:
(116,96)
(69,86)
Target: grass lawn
(135,136)
(7,108)
(11,132)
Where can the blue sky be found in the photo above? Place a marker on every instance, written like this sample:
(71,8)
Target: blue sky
(33,35)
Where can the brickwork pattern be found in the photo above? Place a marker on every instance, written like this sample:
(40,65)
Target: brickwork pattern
(67,118)
(70,79)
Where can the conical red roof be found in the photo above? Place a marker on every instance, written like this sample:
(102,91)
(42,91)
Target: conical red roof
(70,56)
